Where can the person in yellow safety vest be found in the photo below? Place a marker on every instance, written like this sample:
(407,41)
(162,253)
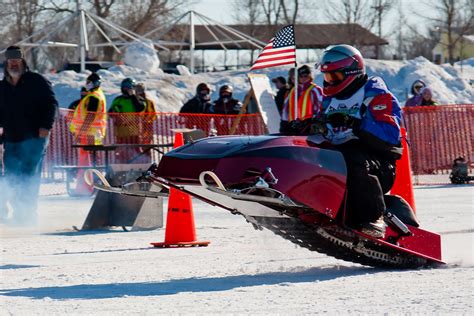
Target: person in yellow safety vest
(309,104)
(89,120)
(141,95)
(148,119)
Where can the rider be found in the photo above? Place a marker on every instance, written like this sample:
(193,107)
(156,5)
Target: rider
(363,122)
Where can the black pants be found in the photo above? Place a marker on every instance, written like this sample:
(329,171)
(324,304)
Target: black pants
(369,176)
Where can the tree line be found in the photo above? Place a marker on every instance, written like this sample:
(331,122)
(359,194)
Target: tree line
(23,18)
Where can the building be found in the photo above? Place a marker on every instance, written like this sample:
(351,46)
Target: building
(463,49)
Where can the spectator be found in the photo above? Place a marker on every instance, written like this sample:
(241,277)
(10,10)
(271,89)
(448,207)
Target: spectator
(146,122)
(280,84)
(416,88)
(88,124)
(226,104)
(291,78)
(28,109)
(127,126)
(309,104)
(427,97)
(89,118)
(141,95)
(74,104)
(200,103)
(127,102)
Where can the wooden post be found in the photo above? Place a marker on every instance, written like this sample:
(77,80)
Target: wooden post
(242,111)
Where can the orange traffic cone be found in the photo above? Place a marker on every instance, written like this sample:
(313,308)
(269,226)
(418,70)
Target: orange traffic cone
(180,229)
(82,188)
(403,185)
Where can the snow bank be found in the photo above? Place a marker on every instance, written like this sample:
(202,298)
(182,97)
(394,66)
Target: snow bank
(450,84)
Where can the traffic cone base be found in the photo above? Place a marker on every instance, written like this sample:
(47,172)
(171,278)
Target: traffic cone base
(181,244)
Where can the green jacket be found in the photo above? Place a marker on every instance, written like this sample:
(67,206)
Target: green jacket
(126,104)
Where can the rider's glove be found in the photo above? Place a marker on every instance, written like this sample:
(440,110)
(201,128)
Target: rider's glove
(344,120)
(318,126)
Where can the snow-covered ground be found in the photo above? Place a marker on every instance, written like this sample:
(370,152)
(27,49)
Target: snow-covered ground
(451,84)
(56,271)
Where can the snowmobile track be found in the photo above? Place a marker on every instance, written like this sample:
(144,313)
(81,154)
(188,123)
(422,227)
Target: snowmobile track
(328,242)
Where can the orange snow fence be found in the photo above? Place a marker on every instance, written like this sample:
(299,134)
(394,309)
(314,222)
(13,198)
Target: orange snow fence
(436,135)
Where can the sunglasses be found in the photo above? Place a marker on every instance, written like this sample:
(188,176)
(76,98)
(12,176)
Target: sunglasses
(335,76)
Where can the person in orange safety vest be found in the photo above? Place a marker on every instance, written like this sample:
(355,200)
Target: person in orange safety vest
(88,124)
(309,104)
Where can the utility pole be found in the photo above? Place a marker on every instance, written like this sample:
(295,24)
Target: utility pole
(82,50)
(379,8)
(192,41)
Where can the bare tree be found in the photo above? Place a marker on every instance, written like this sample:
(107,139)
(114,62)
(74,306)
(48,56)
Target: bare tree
(247,11)
(290,13)
(367,13)
(455,18)
(270,12)
(351,12)
(21,17)
(148,14)
(381,8)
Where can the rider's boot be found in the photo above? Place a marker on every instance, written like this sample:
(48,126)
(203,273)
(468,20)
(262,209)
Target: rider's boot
(374,229)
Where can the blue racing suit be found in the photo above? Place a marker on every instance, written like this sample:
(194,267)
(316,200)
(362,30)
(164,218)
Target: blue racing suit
(364,126)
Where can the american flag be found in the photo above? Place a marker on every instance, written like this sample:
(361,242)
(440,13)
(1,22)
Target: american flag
(280,51)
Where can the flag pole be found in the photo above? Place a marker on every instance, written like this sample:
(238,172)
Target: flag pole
(296,79)
(295,108)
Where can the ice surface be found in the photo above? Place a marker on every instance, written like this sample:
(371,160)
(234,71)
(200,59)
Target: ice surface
(54,270)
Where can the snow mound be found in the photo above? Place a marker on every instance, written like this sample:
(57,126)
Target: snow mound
(183,70)
(169,92)
(142,55)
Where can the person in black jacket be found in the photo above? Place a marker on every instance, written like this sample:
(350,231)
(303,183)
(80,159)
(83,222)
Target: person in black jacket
(280,84)
(200,103)
(226,104)
(28,109)
(75,103)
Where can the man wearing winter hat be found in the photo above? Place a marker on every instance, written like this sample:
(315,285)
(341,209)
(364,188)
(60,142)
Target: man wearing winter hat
(226,104)
(28,109)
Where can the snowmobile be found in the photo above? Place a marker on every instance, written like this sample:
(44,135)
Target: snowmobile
(295,187)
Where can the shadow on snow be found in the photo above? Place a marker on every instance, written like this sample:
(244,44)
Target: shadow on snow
(16,266)
(114,290)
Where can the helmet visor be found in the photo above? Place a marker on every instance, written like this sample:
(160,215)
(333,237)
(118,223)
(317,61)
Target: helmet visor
(334,77)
